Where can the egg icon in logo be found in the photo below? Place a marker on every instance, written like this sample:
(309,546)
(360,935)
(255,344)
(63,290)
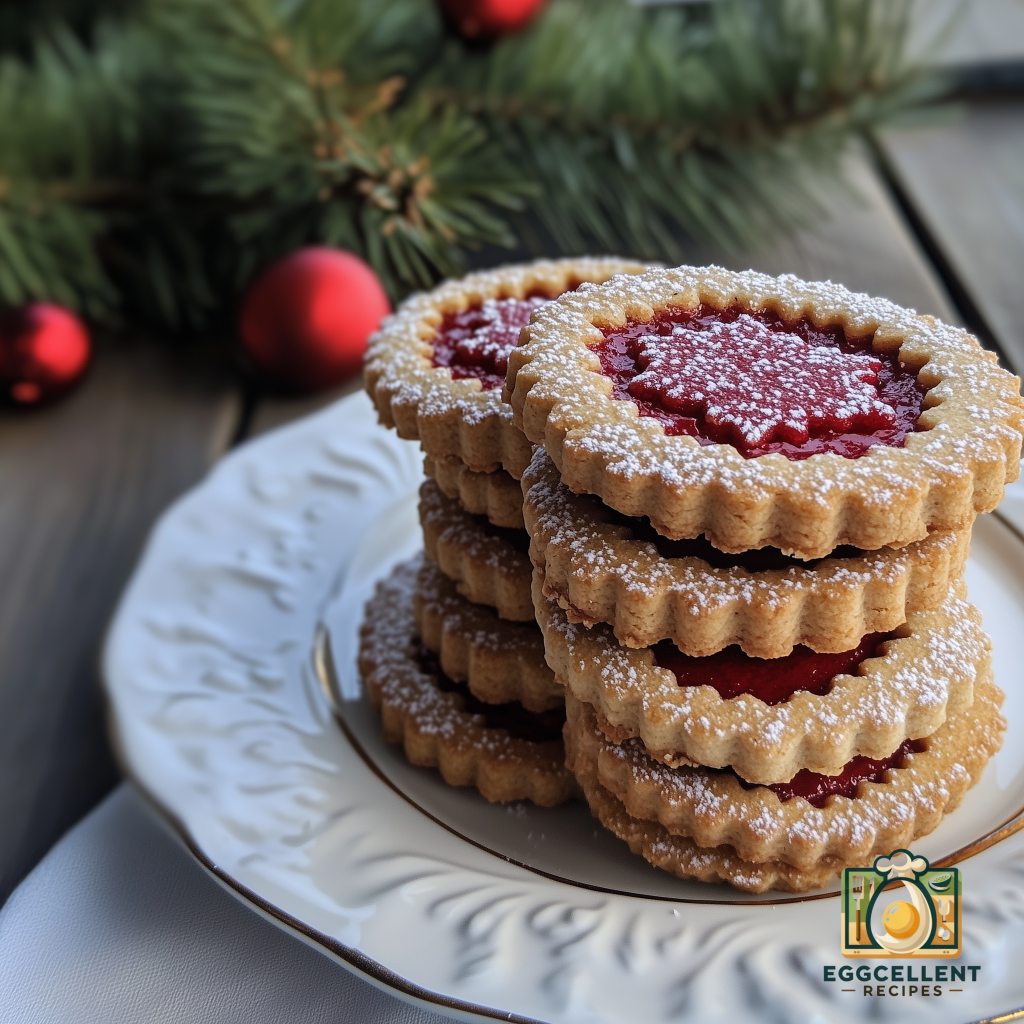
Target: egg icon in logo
(901,919)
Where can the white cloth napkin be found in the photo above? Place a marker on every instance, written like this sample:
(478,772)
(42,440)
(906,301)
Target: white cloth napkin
(119,924)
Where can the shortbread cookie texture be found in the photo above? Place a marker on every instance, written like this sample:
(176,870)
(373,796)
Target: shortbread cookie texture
(499,661)
(497,495)
(506,752)
(919,678)
(684,858)
(601,566)
(761,411)
(839,820)
(435,368)
(489,564)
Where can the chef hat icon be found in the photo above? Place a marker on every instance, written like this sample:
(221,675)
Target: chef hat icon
(901,864)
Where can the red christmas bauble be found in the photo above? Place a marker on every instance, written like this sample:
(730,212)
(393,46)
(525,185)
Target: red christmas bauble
(305,320)
(487,19)
(44,349)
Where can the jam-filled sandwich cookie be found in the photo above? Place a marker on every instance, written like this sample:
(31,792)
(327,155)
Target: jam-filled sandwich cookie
(875,805)
(436,367)
(497,495)
(500,661)
(489,564)
(769,719)
(505,751)
(602,566)
(696,822)
(761,411)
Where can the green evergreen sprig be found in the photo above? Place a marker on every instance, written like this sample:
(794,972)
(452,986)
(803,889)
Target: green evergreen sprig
(711,121)
(153,164)
(68,148)
(305,123)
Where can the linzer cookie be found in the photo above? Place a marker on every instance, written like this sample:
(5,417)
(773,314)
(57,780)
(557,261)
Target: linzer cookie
(873,807)
(489,564)
(770,719)
(497,495)
(760,411)
(499,661)
(436,367)
(602,566)
(505,751)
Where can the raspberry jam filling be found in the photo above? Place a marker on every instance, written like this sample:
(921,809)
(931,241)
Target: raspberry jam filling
(816,789)
(476,342)
(773,680)
(517,721)
(762,385)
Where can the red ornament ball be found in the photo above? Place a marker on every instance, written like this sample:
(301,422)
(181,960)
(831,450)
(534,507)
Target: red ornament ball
(44,349)
(488,19)
(306,319)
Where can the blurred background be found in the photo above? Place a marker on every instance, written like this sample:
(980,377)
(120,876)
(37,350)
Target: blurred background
(205,209)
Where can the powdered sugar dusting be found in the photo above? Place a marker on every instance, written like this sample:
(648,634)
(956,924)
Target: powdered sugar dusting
(401,375)
(476,540)
(761,385)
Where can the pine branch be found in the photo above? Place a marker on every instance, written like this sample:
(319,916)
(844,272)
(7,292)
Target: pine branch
(68,125)
(641,124)
(286,119)
(157,168)
(23,24)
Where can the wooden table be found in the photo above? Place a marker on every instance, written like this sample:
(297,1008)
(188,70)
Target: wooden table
(939,228)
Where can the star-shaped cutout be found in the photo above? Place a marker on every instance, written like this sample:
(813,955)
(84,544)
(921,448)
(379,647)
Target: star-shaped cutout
(756,385)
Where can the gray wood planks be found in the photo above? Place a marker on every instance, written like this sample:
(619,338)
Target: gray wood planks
(969,31)
(966,181)
(956,31)
(80,485)
(865,245)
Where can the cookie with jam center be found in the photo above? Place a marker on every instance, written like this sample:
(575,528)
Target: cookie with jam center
(436,367)
(766,412)
(771,718)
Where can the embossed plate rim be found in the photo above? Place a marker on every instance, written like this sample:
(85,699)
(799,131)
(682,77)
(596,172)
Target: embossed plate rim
(245,493)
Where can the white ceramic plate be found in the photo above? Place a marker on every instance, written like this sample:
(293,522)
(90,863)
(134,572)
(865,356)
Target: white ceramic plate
(237,634)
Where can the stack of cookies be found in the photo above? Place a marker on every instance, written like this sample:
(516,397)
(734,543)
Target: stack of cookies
(451,653)
(749,517)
